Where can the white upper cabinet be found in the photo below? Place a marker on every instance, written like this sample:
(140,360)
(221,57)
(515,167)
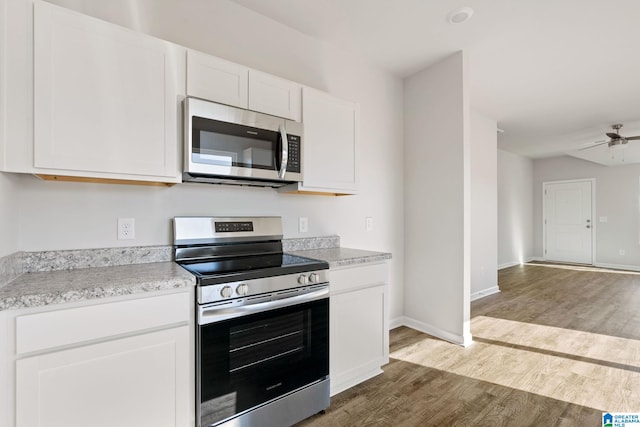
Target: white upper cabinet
(217,80)
(272,95)
(105,99)
(329,144)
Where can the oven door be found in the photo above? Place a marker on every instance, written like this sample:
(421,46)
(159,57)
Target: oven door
(230,142)
(247,361)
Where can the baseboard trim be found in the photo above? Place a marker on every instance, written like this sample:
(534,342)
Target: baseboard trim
(396,323)
(617,266)
(354,377)
(484,293)
(508,264)
(463,341)
(514,263)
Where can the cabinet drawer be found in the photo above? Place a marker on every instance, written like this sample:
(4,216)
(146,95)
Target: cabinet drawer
(50,329)
(350,278)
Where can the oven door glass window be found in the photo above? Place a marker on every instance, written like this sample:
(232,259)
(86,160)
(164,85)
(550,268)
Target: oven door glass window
(228,144)
(251,360)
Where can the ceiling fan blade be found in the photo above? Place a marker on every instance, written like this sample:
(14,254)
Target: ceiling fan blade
(595,144)
(613,135)
(631,138)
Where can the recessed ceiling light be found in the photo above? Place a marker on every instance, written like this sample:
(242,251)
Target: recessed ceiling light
(461,15)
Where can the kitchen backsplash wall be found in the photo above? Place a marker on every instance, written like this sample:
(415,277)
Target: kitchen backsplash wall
(59,215)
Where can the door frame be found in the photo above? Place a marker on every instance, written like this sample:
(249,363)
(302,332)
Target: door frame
(593,215)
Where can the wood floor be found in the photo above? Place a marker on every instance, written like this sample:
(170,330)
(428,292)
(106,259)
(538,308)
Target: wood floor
(556,347)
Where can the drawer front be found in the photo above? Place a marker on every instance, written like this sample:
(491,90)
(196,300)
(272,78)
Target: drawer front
(51,329)
(356,277)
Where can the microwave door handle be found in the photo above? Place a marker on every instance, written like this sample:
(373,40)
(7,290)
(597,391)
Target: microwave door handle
(284,154)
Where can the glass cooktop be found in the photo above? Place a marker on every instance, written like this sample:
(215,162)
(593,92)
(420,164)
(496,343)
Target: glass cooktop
(250,267)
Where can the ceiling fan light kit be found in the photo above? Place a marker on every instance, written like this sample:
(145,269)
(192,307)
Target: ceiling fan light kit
(616,140)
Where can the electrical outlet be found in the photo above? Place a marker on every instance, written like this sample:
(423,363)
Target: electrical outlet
(126,228)
(303,224)
(368,223)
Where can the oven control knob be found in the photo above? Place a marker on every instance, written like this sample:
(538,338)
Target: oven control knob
(226,291)
(314,278)
(242,289)
(302,279)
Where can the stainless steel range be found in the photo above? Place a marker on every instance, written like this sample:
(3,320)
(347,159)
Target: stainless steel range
(262,326)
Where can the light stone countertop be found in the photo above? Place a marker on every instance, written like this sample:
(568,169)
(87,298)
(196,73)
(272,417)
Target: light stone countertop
(57,277)
(340,257)
(57,287)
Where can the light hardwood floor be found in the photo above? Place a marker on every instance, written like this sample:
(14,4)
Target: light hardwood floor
(557,347)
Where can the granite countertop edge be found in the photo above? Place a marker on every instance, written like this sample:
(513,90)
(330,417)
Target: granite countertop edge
(58,287)
(341,257)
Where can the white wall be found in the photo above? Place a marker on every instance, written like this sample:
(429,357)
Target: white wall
(8,214)
(484,206)
(617,198)
(56,215)
(437,198)
(515,209)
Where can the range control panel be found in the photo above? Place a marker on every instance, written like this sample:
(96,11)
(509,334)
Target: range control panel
(233,226)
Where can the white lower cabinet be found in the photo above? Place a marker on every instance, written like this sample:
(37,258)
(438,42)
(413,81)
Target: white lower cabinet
(128,362)
(135,381)
(359,326)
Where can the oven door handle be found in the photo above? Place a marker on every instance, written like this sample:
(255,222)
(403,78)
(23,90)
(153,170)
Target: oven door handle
(217,314)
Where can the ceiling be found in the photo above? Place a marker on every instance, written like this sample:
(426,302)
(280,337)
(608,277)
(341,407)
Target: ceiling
(554,74)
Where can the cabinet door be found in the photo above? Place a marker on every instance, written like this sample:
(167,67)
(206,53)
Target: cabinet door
(105,97)
(136,381)
(217,80)
(329,145)
(272,95)
(357,336)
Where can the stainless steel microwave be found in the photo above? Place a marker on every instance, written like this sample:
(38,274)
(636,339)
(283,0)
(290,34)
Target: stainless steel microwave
(228,145)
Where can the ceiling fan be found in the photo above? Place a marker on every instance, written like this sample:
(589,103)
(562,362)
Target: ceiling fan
(615,139)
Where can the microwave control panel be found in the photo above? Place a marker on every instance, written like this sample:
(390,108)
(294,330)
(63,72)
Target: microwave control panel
(294,153)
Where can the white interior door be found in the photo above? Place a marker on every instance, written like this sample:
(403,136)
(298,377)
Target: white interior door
(568,222)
